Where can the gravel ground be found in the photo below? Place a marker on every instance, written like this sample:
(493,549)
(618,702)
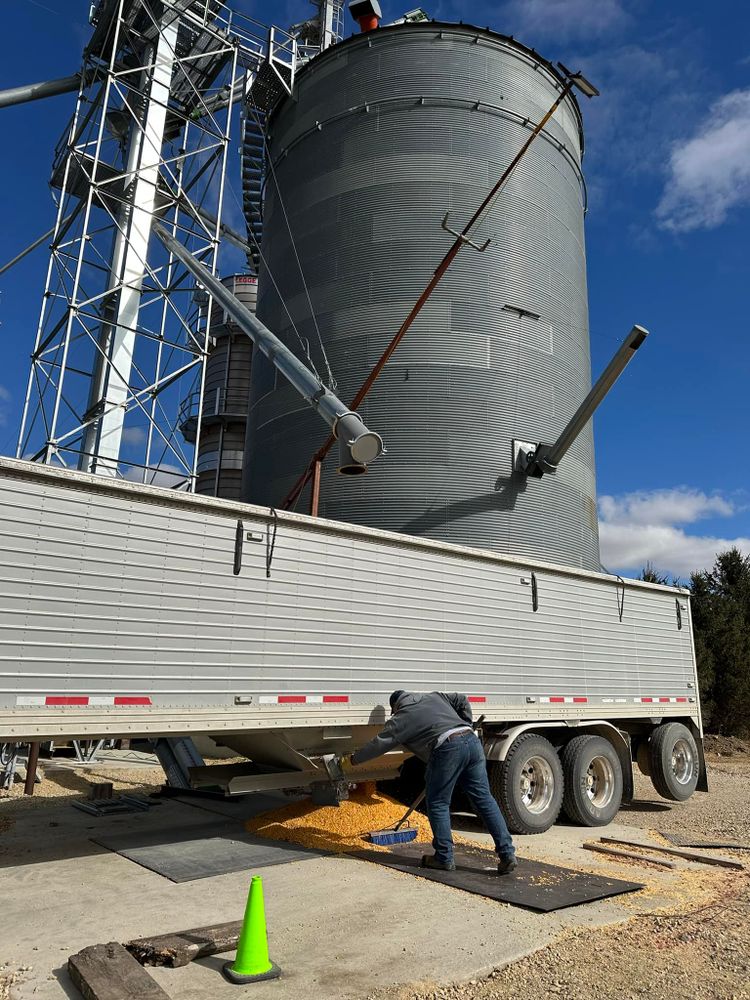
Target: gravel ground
(74,783)
(694,954)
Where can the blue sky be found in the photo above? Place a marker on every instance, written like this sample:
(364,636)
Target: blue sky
(668,170)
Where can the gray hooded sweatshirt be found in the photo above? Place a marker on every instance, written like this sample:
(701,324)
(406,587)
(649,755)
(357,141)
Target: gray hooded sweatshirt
(417,723)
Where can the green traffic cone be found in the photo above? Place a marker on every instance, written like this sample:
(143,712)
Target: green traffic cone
(252,964)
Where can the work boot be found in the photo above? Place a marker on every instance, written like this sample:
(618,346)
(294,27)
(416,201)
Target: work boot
(430,861)
(507,864)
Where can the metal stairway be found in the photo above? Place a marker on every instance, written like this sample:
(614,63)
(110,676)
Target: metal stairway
(253,173)
(271,80)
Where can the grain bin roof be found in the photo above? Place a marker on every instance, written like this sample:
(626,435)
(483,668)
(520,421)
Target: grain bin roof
(448,27)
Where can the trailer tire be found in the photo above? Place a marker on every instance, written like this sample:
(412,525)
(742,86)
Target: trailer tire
(675,766)
(528,784)
(593,780)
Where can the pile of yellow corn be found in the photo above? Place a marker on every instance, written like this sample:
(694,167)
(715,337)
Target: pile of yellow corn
(342,828)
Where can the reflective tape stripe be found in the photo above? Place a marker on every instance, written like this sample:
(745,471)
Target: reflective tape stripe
(61,701)
(303,699)
(661,700)
(563,700)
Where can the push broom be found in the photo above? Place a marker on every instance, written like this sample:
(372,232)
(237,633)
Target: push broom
(394,834)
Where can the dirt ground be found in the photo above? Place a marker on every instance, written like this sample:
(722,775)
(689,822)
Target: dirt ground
(693,954)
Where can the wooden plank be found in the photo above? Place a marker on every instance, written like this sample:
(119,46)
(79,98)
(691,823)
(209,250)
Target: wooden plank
(109,972)
(181,947)
(705,859)
(630,855)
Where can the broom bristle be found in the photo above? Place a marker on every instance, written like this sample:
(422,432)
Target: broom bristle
(384,838)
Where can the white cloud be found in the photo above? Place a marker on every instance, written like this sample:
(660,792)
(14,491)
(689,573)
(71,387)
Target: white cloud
(167,476)
(642,527)
(709,174)
(133,436)
(562,19)
(664,507)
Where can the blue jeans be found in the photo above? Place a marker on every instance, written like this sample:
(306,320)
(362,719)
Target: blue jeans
(460,760)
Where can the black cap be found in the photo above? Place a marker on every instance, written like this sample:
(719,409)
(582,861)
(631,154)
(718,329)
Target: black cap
(394,699)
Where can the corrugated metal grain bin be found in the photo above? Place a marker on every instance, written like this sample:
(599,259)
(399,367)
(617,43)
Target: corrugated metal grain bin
(384,134)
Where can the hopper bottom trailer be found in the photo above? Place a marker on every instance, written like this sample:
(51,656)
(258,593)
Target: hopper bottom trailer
(139,612)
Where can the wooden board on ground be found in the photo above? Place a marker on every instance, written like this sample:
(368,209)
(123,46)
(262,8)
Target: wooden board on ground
(182,947)
(534,885)
(109,972)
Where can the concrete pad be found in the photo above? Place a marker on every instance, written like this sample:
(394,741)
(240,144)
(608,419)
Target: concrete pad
(338,927)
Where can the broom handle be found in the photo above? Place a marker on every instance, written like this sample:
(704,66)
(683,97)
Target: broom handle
(411,809)
(420,798)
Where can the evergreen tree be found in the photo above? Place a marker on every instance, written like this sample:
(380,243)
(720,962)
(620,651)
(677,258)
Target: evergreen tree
(650,574)
(721,621)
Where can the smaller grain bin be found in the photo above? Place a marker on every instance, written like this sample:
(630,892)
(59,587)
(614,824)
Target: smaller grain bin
(225,398)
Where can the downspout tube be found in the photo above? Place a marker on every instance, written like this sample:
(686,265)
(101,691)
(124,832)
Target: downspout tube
(37,91)
(360,446)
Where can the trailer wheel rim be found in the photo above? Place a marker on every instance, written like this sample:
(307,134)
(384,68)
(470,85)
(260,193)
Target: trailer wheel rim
(599,782)
(682,762)
(537,785)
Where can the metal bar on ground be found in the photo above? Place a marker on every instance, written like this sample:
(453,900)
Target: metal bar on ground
(629,855)
(678,853)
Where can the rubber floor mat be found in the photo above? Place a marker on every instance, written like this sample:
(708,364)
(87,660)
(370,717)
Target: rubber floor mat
(679,841)
(185,854)
(534,885)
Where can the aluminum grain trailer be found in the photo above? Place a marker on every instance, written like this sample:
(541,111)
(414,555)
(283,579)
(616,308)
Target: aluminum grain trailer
(133,611)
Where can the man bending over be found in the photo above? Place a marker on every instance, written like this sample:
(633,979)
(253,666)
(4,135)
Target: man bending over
(437,728)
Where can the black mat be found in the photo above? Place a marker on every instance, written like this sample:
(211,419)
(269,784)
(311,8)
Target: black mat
(678,841)
(533,885)
(200,851)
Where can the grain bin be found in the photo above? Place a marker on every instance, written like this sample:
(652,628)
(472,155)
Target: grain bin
(383,135)
(225,398)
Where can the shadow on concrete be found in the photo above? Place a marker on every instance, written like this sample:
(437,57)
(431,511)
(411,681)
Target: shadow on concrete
(55,831)
(65,983)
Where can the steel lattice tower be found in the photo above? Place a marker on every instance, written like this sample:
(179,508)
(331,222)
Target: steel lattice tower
(121,330)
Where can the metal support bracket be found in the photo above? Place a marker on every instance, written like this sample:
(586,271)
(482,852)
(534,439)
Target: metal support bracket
(460,236)
(525,455)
